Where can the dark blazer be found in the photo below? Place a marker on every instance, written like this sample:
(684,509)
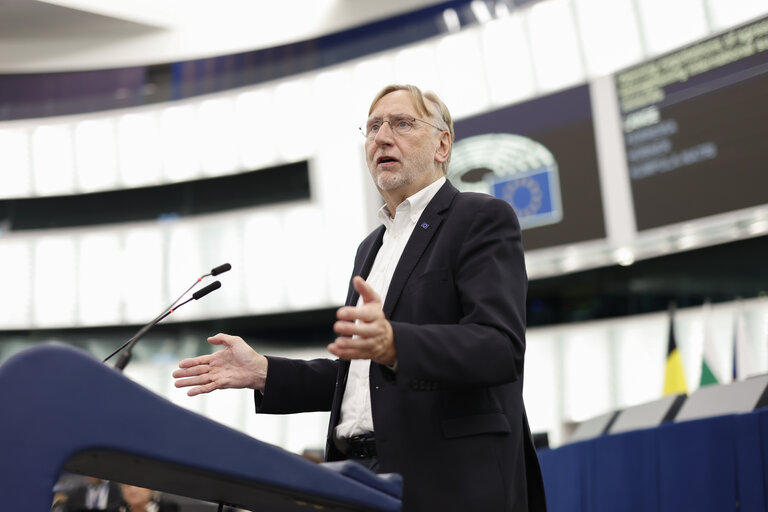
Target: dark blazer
(451,418)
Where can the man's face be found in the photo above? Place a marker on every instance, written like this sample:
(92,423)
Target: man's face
(402,162)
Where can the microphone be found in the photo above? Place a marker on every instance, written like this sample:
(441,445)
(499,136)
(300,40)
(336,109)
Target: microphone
(125,357)
(199,294)
(220,269)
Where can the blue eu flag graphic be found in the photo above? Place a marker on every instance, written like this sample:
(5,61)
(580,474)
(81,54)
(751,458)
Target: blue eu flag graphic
(530,194)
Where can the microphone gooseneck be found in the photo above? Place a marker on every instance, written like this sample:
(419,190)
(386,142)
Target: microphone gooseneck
(125,356)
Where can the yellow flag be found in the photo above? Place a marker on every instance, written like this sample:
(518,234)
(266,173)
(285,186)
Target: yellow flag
(674,376)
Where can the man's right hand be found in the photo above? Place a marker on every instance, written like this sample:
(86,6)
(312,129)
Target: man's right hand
(237,366)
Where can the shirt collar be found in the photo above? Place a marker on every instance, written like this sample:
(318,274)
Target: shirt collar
(414,205)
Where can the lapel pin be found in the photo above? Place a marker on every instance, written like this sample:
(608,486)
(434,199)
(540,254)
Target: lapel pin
(424,225)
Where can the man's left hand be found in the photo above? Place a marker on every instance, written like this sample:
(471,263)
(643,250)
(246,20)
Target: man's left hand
(364,331)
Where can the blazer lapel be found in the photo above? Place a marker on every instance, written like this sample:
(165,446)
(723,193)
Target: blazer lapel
(425,229)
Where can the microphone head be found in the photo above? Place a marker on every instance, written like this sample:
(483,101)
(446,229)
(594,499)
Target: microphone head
(202,292)
(220,269)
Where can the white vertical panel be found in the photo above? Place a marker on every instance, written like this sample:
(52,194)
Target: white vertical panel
(720,330)
(256,138)
(688,339)
(270,428)
(340,182)
(641,345)
(669,25)
(96,155)
(139,149)
(218,143)
(54,281)
(149,374)
(369,76)
(296,123)
(555,46)
(306,431)
(228,406)
(586,373)
(462,73)
(756,312)
(611,45)
(543,383)
(417,65)
(143,274)
(53,160)
(616,193)
(333,110)
(480,11)
(507,60)
(306,261)
(99,282)
(16,296)
(184,266)
(728,13)
(222,242)
(15,169)
(181,143)
(264,256)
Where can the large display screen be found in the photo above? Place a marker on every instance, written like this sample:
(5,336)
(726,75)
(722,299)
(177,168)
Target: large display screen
(695,125)
(540,157)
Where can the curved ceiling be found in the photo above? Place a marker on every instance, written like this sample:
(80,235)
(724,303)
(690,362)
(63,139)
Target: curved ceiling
(69,35)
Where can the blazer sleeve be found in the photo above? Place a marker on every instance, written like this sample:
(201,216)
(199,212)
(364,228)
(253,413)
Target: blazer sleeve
(484,343)
(295,385)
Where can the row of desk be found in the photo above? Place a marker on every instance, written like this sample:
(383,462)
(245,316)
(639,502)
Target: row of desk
(713,464)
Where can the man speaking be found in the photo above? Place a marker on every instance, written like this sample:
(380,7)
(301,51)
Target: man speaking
(429,377)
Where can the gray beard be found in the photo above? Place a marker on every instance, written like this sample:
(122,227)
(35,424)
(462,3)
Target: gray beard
(392,182)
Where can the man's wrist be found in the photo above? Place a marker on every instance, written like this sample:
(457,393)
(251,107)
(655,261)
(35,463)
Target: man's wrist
(260,373)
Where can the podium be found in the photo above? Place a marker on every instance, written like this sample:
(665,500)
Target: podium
(62,409)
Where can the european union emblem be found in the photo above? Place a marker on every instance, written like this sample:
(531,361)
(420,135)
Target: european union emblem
(530,194)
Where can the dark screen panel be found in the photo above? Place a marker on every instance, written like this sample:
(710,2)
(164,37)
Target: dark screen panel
(695,128)
(560,124)
(289,182)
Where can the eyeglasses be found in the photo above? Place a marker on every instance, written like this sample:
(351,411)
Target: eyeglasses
(399,124)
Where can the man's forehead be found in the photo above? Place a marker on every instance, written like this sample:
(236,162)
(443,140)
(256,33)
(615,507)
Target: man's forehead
(396,102)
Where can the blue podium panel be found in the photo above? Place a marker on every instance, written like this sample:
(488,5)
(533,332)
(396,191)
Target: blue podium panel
(697,469)
(625,472)
(565,472)
(763,422)
(714,464)
(750,466)
(63,409)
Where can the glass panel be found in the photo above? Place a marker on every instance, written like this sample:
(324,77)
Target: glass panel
(556,56)
(608,46)
(507,60)
(15,173)
(53,160)
(669,25)
(96,155)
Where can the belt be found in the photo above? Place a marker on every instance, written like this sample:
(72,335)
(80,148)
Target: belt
(357,447)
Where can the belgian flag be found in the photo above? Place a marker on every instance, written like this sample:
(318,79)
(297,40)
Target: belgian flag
(674,376)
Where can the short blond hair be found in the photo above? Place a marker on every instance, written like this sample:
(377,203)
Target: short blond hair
(438,111)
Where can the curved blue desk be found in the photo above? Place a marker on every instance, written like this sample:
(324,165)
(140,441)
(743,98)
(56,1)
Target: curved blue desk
(63,409)
(715,464)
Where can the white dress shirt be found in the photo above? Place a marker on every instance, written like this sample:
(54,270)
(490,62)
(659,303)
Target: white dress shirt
(96,495)
(356,415)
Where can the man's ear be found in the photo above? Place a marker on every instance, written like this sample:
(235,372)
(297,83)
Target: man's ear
(444,149)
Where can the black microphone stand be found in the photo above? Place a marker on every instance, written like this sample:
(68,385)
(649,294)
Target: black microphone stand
(125,357)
